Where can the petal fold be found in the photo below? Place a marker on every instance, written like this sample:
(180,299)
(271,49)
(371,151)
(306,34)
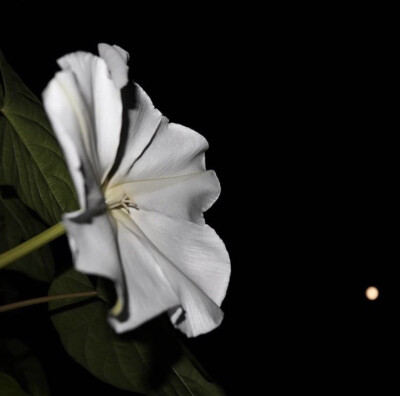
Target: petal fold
(195,261)
(93,244)
(146,292)
(116,59)
(103,104)
(175,150)
(70,120)
(141,120)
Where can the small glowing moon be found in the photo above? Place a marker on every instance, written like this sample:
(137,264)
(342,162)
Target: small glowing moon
(372,293)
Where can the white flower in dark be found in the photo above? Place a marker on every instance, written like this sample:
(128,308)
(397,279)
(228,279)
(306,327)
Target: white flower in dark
(142,186)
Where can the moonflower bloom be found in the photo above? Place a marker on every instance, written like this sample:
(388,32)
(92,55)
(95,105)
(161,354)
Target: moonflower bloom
(142,187)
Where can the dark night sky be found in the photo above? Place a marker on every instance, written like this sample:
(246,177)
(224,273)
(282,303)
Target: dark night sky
(300,121)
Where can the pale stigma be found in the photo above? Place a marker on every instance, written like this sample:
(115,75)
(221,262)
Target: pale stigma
(117,308)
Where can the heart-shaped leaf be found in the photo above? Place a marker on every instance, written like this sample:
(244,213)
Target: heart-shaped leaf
(17,225)
(30,158)
(149,360)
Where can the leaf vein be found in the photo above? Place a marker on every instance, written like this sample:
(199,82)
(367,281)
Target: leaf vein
(40,171)
(183,382)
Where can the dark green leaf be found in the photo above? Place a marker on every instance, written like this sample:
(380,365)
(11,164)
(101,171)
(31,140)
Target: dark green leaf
(17,225)
(18,360)
(30,157)
(10,387)
(149,360)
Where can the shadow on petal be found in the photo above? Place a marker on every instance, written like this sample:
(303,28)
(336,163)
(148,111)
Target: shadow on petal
(129,97)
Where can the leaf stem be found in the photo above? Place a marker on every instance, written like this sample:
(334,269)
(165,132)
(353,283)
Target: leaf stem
(32,244)
(41,300)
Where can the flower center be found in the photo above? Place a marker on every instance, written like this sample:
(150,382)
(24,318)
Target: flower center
(123,203)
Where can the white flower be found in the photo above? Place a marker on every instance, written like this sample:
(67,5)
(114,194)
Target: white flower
(142,187)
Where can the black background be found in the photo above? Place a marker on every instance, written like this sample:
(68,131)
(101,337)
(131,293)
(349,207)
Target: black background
(300,112)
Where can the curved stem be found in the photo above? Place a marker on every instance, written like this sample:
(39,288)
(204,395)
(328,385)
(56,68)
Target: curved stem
(41,300)
(31,245)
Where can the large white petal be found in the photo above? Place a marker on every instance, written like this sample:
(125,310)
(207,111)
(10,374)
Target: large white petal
(183,197)
(93,244)
(195,263)
(116,59)
(70,119)
(141,120)
(147,292)
(103,103)
(174,151)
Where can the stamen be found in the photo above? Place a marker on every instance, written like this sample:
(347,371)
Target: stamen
(125,203)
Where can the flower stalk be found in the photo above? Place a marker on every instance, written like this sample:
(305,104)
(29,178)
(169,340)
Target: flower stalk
(41,300)
(31,245)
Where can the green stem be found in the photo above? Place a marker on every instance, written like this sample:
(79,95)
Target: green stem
(32,244)
(41,300)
